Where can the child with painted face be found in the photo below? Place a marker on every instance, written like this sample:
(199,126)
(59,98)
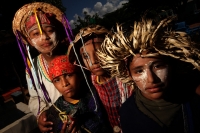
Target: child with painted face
(43,27)
(163,66)
(111,91)
(76,103)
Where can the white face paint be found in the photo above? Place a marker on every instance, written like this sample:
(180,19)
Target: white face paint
(142,78)
(162,74)
(45,45)
(143,75)
(149,74)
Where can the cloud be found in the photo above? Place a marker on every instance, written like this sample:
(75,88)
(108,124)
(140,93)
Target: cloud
(88,11)
(121,3)
(98,6)
(100,9)
(71,22)
(113,1)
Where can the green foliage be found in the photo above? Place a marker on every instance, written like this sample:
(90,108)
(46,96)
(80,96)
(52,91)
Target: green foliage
(86,21)
(57,3)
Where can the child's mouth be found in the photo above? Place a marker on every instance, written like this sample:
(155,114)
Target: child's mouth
(155,88)
(67,91)
(97,69)
(46,44)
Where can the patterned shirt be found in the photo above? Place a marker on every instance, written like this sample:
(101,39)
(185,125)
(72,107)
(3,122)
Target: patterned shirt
(112,94)
(92,121)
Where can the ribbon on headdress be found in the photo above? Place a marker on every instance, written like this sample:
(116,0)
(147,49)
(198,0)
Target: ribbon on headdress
(38,23)
(29,65)
(68,29)
(38,18)
(26,60)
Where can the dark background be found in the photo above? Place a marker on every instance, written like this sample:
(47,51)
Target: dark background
(12,68)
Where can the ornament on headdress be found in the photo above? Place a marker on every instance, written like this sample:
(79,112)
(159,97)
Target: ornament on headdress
(38,23)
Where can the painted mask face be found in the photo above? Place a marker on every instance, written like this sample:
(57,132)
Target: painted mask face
(67,84)
(88,53)
(46,42)
(150,76)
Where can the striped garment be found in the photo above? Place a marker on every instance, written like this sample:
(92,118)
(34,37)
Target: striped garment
(112,94)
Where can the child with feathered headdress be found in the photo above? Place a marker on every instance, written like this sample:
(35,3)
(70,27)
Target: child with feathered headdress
(163,67)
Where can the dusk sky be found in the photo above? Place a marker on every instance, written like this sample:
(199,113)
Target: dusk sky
(76,8)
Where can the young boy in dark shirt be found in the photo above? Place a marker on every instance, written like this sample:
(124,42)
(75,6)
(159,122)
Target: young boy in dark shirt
(76,105)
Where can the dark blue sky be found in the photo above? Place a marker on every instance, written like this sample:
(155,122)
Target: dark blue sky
(76,6)
(101,7)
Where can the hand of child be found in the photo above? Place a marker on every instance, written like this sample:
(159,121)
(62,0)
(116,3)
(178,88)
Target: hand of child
(44,125)
(71,128)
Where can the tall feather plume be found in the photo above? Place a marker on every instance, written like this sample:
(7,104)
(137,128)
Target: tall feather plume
(156,38)
(114,51)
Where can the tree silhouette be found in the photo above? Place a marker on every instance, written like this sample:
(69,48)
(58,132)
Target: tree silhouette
(133,10)
(86,21)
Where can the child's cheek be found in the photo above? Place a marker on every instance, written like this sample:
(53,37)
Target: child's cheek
(36,42)
(53,38)
(162,74)
(141,80)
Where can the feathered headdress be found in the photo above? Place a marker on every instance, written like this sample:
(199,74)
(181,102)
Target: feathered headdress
(156,38)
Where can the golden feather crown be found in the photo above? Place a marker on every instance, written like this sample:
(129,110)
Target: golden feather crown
(156,38)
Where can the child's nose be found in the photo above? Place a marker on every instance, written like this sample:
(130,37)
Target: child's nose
(152,77)
(94,59)
(45,36)
(65,82)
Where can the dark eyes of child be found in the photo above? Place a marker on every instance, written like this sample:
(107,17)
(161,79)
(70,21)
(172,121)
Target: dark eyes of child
(68,75)
(159,65)
(56,80)
(49,30)
(138,71)
(155,66)
(85,56)
(35,33)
